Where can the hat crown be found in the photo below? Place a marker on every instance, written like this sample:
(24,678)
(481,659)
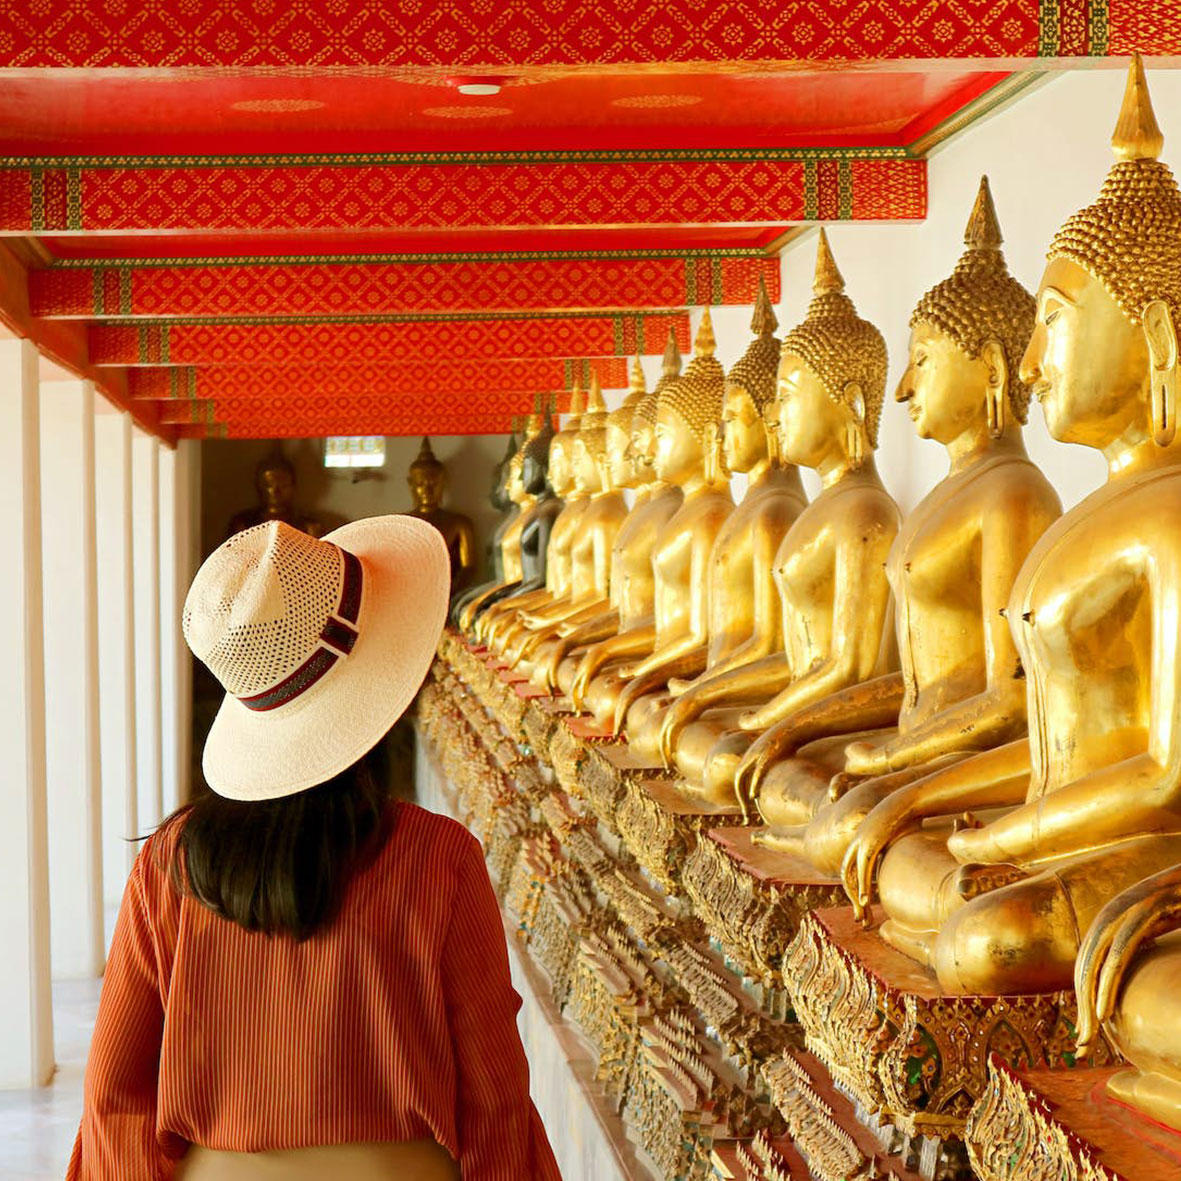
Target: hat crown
(259,603)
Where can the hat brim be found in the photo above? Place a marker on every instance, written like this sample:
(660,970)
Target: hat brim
(252,755)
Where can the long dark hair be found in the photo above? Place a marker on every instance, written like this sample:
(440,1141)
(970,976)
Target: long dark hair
(282,866)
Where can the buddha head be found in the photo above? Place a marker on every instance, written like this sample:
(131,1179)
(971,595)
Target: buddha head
(274,478)
(643,442)
(832,377)
(499,494)
(967,336)
(750,388)
(590,445)
(426,478)
(689,415)
(561,452)
(535,455)
(515,484)
(621,460)
(1103,355)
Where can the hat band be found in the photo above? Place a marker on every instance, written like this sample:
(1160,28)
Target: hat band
(339,633)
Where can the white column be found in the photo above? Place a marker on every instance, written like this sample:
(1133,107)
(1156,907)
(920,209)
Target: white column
(73,767)
(26,1013)
(116,645)
(176,662)
(145,516)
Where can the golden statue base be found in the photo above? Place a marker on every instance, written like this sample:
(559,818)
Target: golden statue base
(1061,1126)
(662,827)
(752,898)
(904,1049)
(604,777)
(570,746)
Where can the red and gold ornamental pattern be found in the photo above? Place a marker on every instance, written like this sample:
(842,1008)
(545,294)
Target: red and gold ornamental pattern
(518,33)
(436,193)
(342,383)
(338,289)
(441,339)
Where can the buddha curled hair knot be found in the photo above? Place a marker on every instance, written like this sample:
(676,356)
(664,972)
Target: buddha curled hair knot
(837,345)
(1130,238)
(697,395)
(980,301)
(756,371)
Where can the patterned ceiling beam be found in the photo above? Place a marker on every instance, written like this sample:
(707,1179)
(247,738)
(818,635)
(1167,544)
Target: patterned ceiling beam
(300,342)
(449,191)
(328,289)
(517,34)
(342,384)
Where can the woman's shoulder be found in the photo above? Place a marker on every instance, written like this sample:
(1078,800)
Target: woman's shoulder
(431,835)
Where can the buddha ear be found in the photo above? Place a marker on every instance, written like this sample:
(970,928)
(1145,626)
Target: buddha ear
(712,453)
(1161,335)
(855,439)
(996,397)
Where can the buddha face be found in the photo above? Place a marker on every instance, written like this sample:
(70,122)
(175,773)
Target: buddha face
(944,388)
(744,433)
(809,422)
(1087,363)
(560,468)
(516,484)
(620,462)
(641,451)
(426,487)
(678,451)
(586,470)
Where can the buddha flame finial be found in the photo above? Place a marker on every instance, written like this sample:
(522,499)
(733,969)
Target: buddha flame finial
(983,231)
(763,321)
(594,401)
(671,366)
(705,342)
(637,385)
(1137,134)
(828,280)
(577,405)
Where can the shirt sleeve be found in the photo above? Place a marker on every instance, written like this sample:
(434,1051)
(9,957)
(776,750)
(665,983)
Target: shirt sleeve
(117,1139)
(501,1137)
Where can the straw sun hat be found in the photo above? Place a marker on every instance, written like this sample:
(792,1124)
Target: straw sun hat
(320,645)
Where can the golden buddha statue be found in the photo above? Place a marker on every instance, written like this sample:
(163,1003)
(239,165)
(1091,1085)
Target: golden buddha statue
(557,562)
(951,568)
(829,568)
(427,479)
(1090,802)
(632,600)
(274,480)
(743,602)
(688,454)
(600,455)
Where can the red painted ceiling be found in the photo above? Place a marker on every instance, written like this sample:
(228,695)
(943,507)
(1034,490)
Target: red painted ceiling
(232,182)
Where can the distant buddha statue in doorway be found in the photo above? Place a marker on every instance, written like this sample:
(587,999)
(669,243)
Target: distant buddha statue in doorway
(274,479)
(427,479)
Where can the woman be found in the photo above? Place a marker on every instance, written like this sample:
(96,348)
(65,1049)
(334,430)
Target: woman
(307,978)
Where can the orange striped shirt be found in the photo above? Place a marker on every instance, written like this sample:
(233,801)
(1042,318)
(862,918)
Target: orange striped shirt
(394,1022)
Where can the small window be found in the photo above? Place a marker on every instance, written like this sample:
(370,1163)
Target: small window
(354,451)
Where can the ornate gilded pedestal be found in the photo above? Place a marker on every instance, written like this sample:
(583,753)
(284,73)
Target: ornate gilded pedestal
(906,1051)
(1061,1126)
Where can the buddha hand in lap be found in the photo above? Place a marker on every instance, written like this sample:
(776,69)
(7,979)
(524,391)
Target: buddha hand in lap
(1092,798)
(954,562)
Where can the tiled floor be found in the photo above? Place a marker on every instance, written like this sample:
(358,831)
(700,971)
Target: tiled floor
(37,1128)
